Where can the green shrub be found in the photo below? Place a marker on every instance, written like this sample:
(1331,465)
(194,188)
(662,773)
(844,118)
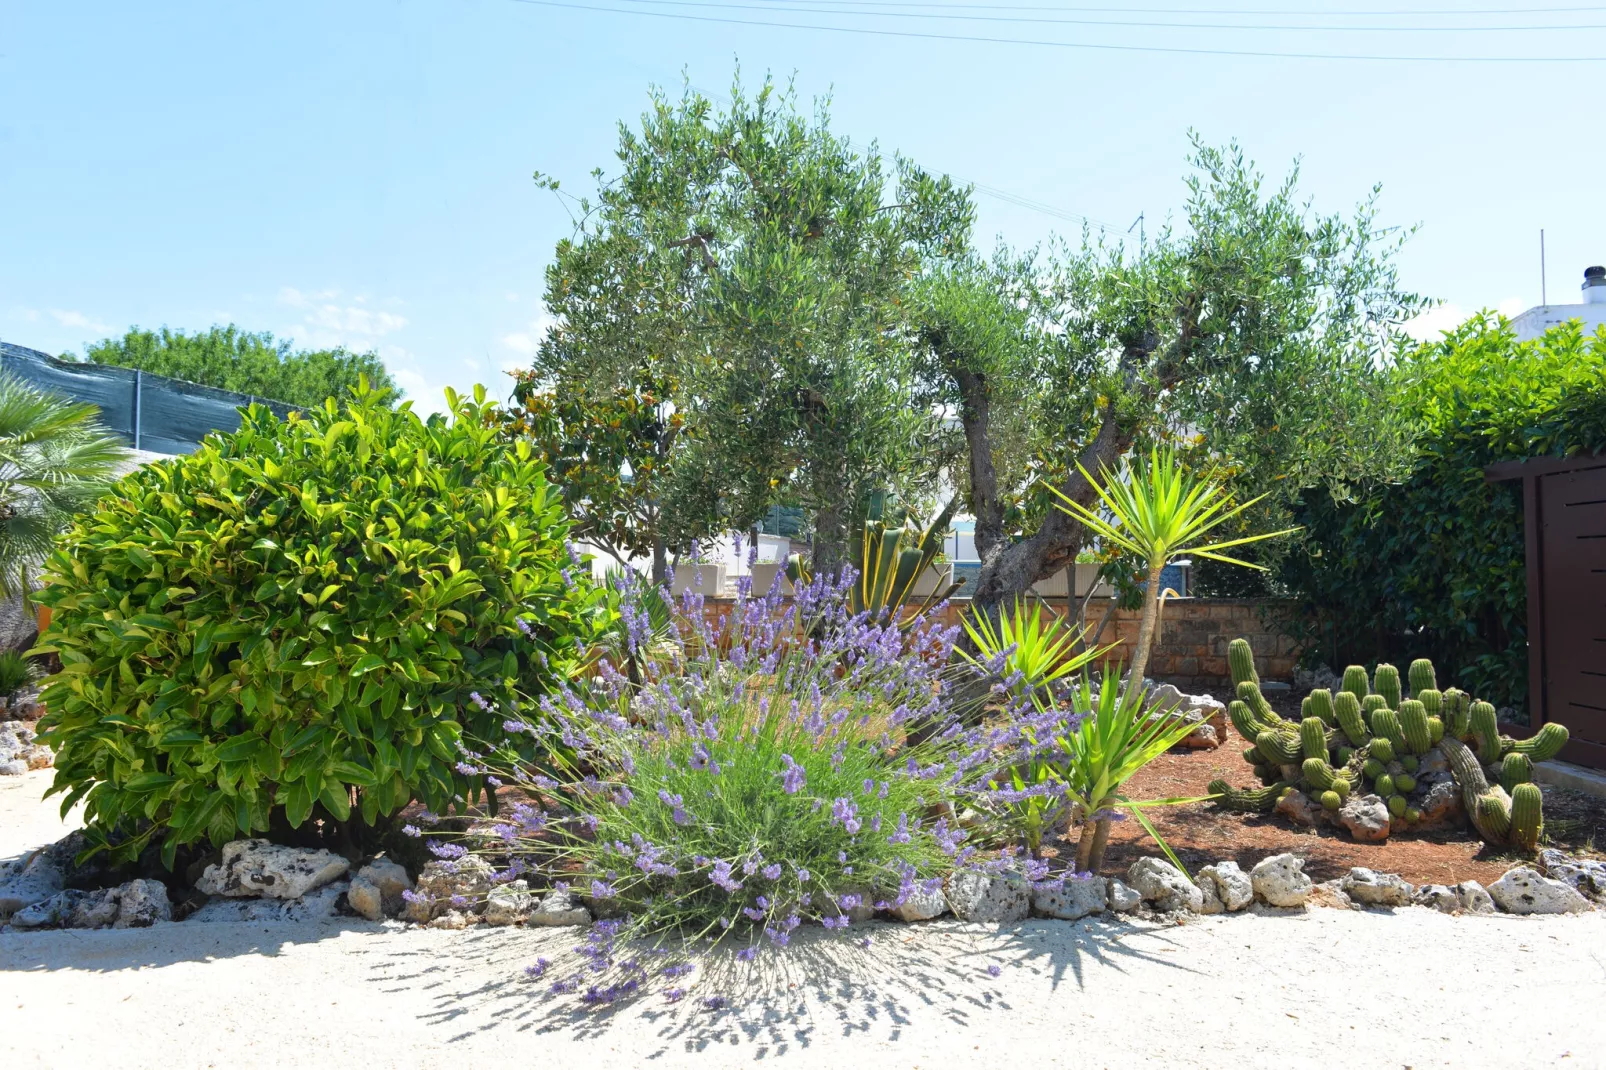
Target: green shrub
(1433,567)
(15,672)
(301,620)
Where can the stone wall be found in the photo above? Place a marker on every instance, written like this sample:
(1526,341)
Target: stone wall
(1194,633)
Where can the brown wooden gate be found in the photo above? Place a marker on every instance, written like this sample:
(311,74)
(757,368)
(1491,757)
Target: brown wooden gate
(1565,522)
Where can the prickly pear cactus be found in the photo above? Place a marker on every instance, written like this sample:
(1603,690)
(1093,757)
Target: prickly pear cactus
(1371,737)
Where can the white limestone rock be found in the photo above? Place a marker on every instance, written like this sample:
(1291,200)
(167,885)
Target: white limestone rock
(1164,885)
(391,880)
(977,896)
(1123,900)
(1585,876)
(1070,898)
(1523,891)
(141,904)
(1440,897)
(1366,817)
(1377,889)
(1281,881)
(271,871)
(1299,808)
(319,905)
(509,904)
(1474,898)
(365,898)
(33,878)
(558,908)
(1233,888)
(922,905)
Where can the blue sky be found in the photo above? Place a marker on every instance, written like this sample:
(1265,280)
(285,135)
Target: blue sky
(359,172)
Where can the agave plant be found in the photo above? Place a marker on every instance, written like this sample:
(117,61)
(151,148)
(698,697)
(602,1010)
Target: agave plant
(1160,511)
(891,558)
(1040,652)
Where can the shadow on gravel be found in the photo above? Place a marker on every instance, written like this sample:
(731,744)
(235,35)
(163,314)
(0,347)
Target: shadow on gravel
(104,950)
(779,1002)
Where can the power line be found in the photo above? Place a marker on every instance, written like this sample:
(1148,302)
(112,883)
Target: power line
(854,10)
(1311,12)
(1079,45)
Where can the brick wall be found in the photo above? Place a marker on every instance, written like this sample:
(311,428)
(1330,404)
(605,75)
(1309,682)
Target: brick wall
(1194,633)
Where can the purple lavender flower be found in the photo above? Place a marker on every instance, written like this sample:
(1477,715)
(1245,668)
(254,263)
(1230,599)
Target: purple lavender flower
(994,970)
(793,778)
(746,954)
(772,872)
(537,970)
(846,814)
(412,830)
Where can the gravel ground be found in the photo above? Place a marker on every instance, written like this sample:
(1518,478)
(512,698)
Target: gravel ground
(1272,989)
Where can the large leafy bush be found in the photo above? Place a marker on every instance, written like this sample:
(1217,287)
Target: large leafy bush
(302,619)
(1433,566)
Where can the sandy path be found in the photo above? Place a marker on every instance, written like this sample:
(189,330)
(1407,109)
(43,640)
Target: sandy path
(1272,991)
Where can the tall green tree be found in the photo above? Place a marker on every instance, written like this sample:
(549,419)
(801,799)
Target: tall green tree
(232,359)
(1255,335)
(55,460)
(758,260)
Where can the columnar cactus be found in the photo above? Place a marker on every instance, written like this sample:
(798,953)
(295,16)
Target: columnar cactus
(1369,736)
(1413,717)
(1421,677)
(1347,710)
(1241,663)
(1485,732)
(1386,682)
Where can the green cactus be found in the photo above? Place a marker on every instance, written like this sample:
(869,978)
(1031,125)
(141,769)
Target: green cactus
(1515,768)
(1342,786)
(1397,805)
(1268,774)
(1456,706)
(1342,755)
(1405,783)
(1318,773)
(1249,693)
(1414,730)
(1372,703)
(1485,731)
(1545,745)
(1421,676)
(1347,711)
(1249,800)
(1244,720)
(1412,815)
(1373,769)
(1492,815)
(1321,705)
(1356,682)
(1527,816)
(1252,756)
(1386,682)
(1432,701)
(1313,738)
(1435,729)
(1386,723)
(1330,800)
(1381,749)
(1278,748)
(1241,663)
(1384,785)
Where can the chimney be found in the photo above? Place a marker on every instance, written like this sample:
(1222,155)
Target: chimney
(1595,285)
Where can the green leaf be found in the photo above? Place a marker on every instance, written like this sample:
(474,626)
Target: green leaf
(367,664)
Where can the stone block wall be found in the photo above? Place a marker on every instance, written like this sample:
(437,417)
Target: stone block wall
(1194,633)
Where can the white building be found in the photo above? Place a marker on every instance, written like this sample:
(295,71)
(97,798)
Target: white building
(1592,310)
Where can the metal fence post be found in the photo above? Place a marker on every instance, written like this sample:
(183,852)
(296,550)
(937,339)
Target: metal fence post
(139,390)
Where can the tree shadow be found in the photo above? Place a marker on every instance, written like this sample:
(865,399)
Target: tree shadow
(166,944)
(781,1001)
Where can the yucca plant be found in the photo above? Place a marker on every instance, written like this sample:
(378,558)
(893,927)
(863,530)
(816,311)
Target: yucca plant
(55,460)
(1160,511)
(1112,735)
(1041,652)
